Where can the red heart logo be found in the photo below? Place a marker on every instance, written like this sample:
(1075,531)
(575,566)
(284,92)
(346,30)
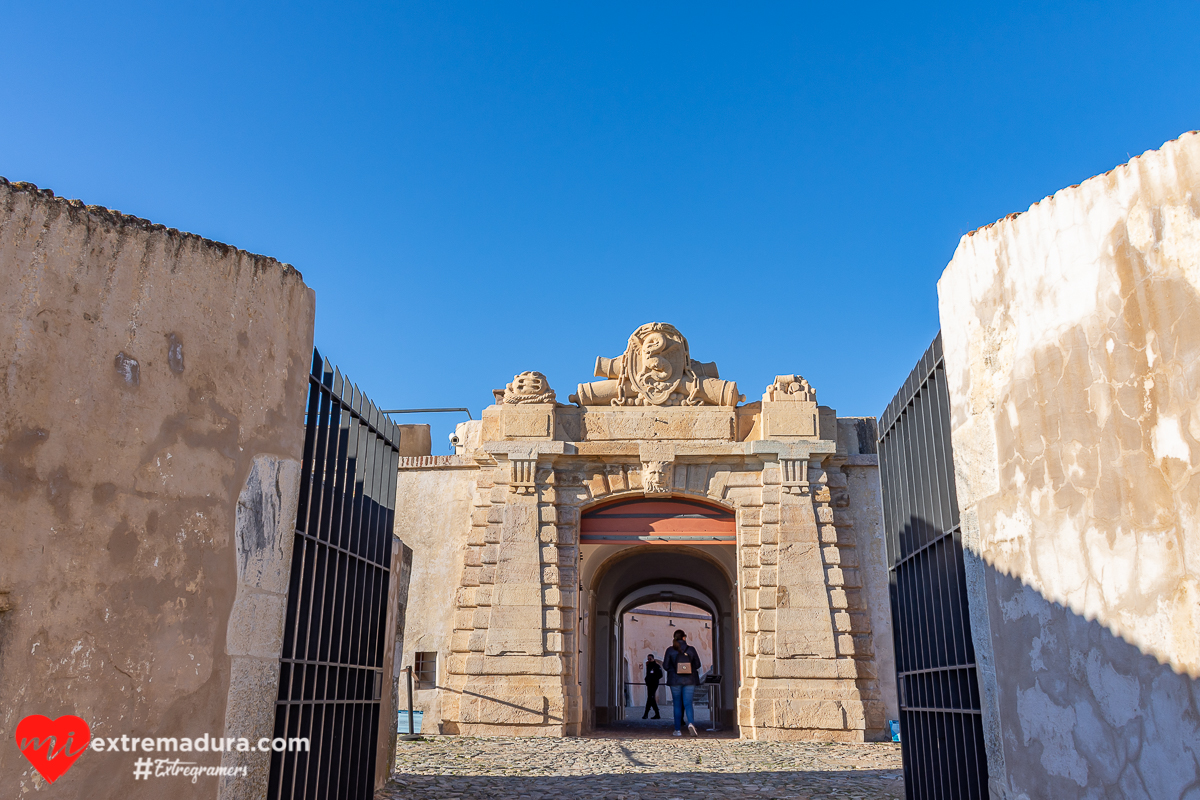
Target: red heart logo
(49,744)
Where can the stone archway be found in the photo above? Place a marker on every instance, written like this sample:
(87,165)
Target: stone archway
(659,572)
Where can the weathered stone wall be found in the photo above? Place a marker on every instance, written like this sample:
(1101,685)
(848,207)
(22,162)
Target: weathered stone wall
(1072,346)
(151,426)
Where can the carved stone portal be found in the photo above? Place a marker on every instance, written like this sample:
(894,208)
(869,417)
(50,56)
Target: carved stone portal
(656,477)
(656,370)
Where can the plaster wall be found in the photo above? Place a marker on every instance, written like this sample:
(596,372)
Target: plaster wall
(151,428)
(432,517)
(1071,335)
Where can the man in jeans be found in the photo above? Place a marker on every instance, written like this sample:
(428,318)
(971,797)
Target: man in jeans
(682,665)
(654,674)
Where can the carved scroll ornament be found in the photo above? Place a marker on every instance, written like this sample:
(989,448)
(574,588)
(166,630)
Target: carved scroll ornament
(528,387)
(790,389)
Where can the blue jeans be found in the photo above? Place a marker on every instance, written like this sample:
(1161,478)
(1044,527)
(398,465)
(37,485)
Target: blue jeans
(681,698)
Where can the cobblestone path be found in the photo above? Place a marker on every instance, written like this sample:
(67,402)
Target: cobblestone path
(624,768)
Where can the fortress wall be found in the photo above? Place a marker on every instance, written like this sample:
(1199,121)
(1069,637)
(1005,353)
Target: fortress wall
(151,429)
(433,517)
(1072,348)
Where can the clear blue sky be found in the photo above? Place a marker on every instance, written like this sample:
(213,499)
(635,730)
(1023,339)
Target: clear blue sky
(476,189)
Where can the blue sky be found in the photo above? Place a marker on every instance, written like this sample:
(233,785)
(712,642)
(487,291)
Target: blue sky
(477,189)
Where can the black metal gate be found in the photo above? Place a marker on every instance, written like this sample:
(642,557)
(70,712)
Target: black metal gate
(331,671)
(941,726)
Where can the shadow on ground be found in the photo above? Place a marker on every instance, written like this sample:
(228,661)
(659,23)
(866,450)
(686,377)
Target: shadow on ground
(793,785)
(642,767)
(655,729)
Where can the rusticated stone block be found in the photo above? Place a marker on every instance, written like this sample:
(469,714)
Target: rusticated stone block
(828,714)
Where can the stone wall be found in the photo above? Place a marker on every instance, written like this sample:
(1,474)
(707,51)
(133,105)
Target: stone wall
(151,428)
(1072,347)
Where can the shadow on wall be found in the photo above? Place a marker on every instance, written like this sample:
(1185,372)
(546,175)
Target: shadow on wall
(1102,718)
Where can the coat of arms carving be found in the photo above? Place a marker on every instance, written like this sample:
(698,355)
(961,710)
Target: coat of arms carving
(656,369)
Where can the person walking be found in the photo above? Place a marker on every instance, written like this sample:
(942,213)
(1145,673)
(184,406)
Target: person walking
(654,674)
(681,662)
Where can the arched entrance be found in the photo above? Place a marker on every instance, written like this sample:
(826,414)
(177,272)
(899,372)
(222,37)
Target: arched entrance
(642,551)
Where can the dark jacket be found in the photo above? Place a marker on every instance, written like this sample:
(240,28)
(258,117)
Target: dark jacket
(673,657)
(654,673)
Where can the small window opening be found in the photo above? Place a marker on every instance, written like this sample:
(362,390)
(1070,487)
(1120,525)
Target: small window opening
(425,671)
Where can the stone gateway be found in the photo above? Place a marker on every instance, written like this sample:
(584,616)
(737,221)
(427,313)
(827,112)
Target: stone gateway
(658,484)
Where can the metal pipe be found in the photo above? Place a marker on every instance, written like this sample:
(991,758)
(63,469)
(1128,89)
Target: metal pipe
(426,411)
(411,731)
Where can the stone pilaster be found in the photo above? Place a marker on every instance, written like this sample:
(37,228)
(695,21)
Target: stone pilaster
(515,615)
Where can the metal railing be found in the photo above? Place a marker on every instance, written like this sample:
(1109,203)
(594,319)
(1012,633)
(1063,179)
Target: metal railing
(331,671)
(941,726)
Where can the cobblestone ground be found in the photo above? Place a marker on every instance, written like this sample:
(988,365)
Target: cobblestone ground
(621,767)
